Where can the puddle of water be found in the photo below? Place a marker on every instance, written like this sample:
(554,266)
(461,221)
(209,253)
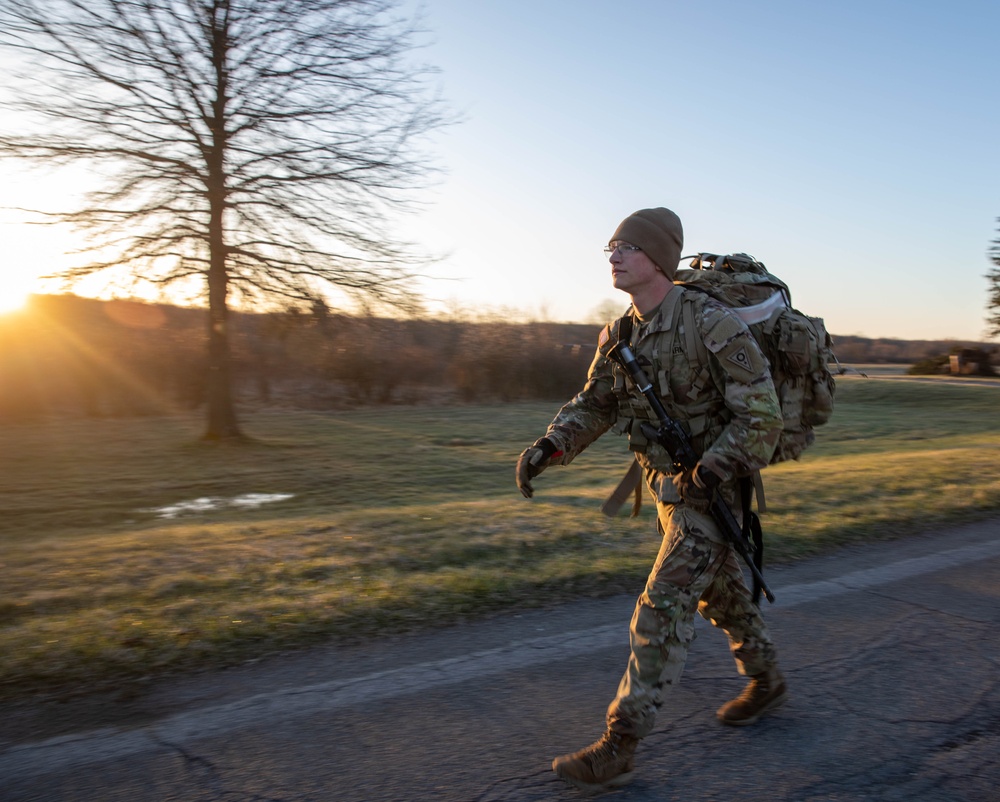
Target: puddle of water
(256,499)
(209,504)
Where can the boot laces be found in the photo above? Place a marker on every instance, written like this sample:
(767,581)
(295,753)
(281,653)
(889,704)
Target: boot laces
(757,688)
(606,751)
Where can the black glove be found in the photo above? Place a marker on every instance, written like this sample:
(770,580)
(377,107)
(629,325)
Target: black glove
(696,487)
(532,462)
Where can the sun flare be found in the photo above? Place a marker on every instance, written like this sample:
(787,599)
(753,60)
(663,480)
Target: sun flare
(18,284)
(13,296)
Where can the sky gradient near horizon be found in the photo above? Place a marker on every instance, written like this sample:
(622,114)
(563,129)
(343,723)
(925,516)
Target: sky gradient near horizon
(851,146)
(854,147)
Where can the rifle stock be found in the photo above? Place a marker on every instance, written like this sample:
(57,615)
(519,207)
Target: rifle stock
(671,435)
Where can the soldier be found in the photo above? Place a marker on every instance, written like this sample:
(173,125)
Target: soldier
(731,412)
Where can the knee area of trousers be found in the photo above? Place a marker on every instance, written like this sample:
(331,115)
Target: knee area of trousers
(664,624)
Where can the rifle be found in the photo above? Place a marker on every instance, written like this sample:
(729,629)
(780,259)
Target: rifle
(675,440)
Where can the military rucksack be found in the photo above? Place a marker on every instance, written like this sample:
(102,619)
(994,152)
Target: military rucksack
(797,347)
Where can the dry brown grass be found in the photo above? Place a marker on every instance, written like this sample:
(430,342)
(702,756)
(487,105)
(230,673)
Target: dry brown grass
(396,518)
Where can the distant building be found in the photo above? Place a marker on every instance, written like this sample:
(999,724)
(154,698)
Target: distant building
(970,362)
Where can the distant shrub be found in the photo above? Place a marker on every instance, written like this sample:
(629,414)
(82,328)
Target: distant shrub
(958,361)
(931,366)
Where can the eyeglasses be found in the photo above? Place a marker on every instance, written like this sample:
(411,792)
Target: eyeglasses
(622,247)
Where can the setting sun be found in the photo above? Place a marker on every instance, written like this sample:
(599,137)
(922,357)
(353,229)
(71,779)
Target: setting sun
(14,292)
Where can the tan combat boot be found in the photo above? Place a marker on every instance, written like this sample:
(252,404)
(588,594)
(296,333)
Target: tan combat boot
(608,762)
(764,692)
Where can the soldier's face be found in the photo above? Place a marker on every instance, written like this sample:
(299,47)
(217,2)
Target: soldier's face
(631,270)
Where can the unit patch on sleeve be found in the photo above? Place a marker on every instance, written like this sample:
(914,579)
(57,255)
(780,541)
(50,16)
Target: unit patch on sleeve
(741,360)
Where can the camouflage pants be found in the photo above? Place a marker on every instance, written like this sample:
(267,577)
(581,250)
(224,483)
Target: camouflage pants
(694,570)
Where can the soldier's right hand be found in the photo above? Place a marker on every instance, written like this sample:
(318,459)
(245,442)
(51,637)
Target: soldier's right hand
(696,488)
(533,461)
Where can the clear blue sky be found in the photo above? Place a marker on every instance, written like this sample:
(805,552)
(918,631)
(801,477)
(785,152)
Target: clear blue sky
(854,147)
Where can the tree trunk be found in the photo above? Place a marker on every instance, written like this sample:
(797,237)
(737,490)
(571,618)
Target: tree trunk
(222,424)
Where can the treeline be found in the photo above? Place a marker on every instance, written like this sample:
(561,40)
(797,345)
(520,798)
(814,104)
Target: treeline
(883,351)
(66,355)
(71,356)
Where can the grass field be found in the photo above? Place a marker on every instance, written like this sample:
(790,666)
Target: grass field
(397,518)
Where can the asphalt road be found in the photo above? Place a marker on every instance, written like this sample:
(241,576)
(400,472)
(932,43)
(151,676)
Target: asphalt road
(891,652)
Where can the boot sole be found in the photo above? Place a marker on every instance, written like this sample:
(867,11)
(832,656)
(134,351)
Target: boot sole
(745,722)
(614,782)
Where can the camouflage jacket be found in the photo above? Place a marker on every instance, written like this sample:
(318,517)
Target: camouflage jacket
(720,388)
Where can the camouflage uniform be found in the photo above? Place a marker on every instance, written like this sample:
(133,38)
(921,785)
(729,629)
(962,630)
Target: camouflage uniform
(711,376)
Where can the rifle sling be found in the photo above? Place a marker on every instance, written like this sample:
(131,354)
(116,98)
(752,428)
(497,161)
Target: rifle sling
(752,531)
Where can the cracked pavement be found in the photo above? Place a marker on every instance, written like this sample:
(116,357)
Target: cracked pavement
(890,651)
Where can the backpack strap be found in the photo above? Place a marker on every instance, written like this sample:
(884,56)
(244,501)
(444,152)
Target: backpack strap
(626,325)
(694,347)
(693,344)
(752,531)
(631,482)
(758,491)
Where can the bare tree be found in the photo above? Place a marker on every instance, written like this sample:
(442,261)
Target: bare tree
(993,304)
(260,147)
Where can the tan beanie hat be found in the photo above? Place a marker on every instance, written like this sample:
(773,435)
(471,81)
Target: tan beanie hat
(658,233)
